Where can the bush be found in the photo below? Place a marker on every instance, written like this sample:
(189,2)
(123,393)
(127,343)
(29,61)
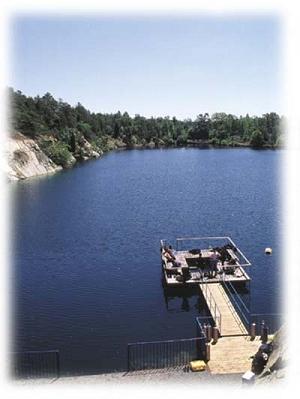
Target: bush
(181,140)
(257,139)
(58,152)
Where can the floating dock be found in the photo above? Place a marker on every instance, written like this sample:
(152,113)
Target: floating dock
(203,260)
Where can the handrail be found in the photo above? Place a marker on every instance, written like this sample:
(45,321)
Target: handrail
(168,340)
(241,314)
(242,254)
(234,312)
(244,260)
(216,314)
(237,295)
(36,364)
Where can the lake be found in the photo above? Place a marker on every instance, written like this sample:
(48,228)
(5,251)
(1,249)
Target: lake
(86,256)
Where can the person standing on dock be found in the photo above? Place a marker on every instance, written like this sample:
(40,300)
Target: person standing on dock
(213,260)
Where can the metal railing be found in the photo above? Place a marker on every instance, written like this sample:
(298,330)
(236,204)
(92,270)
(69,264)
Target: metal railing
(237,305)
(35,364)
(212,305)
(206,242)
(164,354)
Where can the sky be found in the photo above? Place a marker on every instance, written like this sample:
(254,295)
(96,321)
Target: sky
(152,66)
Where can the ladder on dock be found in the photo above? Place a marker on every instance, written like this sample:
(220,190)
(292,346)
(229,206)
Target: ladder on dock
(222,311)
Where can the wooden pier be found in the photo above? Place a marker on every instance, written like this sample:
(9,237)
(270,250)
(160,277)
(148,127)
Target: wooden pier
(211,263)
(217,299)
(233,350)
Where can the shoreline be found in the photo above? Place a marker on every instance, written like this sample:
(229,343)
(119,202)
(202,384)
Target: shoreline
(46,171)
(160,376)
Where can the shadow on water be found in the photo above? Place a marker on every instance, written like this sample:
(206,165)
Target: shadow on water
(190,298)
(183,299)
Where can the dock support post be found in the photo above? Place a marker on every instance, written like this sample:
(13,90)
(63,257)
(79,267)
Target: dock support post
(253,331)
(215,334)
(264,333)
(208,332)
(207,350)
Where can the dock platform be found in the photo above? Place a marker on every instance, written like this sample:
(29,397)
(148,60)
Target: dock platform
(203,260)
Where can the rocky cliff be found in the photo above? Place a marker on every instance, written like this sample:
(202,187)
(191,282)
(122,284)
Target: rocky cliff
(275,368)
(24,158)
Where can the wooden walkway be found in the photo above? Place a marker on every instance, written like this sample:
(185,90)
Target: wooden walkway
(231,354)
(216,298)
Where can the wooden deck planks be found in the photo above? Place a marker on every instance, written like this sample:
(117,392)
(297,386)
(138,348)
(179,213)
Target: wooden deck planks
(231,355)
(231,323)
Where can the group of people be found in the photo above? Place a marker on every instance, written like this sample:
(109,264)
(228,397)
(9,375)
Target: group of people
(224,255)
(216,255)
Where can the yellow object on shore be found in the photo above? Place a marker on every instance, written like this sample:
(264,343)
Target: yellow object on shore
(197,365)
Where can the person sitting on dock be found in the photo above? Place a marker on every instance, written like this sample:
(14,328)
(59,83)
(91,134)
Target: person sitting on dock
(169,253)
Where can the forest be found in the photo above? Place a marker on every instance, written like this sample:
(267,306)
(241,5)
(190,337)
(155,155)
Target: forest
(61,129)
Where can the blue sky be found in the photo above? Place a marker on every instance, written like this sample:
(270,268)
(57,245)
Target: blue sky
(176,66)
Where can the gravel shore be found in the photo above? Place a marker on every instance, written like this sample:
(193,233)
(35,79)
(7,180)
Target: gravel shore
(152,377)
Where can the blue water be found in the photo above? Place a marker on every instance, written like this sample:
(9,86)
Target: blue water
(87,269)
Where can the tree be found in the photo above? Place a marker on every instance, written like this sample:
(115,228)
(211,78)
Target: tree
(58,152)
(257,139)
(39,117)
(200,130)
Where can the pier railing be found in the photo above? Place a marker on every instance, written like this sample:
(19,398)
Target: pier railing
(164,354)
(35,364)
(188,243)
(212,305)
(236,304)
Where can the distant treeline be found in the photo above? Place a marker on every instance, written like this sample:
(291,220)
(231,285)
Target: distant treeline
(44,117)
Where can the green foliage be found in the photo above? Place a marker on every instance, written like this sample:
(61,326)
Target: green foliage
(58,152)
(257,139)
(44,116)
(200,129)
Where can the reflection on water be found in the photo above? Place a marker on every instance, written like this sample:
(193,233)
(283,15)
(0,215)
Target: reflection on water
(184,299)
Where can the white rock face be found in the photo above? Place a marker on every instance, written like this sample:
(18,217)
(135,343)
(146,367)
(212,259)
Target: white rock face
(24,158)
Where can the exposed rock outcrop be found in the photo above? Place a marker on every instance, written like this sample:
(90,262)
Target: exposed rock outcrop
(85,151)
(275,368)
(24,158)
